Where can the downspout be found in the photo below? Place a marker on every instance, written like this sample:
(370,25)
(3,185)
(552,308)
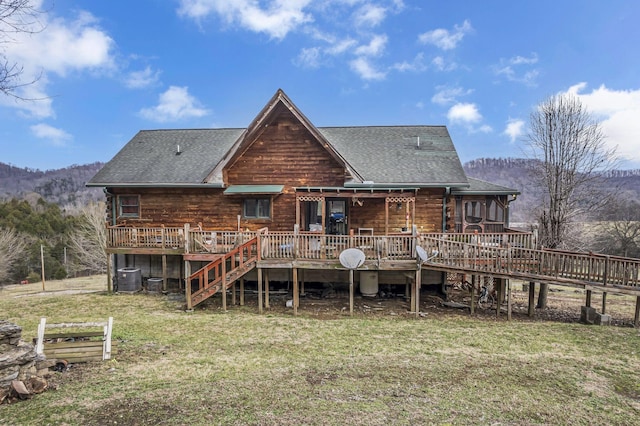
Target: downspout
(114,267)
(509,201)
(447,192)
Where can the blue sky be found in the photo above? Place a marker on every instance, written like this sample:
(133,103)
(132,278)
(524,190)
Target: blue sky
(107,69)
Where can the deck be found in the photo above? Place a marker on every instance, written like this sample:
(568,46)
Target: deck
(503,255)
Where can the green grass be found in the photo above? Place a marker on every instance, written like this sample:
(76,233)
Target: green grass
(209,367)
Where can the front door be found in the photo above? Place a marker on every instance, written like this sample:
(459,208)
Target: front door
(336,220)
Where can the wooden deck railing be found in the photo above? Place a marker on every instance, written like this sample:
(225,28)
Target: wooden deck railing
(536,265)
(313,246)
(141,237)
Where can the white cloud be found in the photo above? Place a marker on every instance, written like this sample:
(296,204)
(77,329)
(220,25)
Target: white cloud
(416,65)
(309,58)
(363,67)
(464,113)
(511,69)
(618,112)
(140,79)
(62,46)
(54,136)
(444,39)
(467,115)
(514,129)
(448,95)
(370,15)
(173,105)
(341,46)
(277,19)
(375,47)
(440,64)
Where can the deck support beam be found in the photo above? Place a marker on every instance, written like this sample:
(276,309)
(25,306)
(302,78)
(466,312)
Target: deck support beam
(636,318)
(604,303)
(509,295)
(187,284)
(260,284)
(532,299)
(233,292)
(296,291)
(499,297)
(417,291)
(110,273)
(351,273)
(242,291)
(164,272)
(223,285)
(587,301)
(266,289)
(472,306)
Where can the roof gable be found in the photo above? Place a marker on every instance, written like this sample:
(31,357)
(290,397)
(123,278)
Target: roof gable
(272,110)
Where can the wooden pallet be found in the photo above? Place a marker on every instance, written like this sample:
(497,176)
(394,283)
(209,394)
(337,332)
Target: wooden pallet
(81,342)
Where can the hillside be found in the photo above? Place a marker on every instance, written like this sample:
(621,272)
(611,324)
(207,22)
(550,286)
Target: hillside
(515,173)
(65,187)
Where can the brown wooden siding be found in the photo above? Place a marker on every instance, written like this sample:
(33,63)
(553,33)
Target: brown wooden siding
(286,154)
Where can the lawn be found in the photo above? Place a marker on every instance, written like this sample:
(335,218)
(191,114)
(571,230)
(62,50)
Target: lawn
(237,368)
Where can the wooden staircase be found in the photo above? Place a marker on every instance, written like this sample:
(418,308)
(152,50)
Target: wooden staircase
(222,272)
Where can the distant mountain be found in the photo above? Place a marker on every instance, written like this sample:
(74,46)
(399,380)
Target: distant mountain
(515,173)
(65,187)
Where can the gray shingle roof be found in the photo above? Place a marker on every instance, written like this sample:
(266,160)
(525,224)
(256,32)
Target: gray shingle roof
(422,155)
(382,154)
(150,157)
(481,187)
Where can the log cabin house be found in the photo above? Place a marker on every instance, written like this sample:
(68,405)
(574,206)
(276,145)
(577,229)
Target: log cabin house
(280,200)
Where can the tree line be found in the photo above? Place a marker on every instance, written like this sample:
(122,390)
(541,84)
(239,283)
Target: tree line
(26,227)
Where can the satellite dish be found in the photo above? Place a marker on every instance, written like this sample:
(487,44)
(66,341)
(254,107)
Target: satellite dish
(352,258)
(422,254)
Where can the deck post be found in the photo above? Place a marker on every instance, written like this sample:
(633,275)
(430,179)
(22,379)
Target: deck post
(260,283)
(223,284)
(241,291)
(587,301)
(604,303)
(109,273)
(418,285)
(636,318)
(532,299)
(351,273)
(473,294)
(187,283)
(499,297)
(233,292)
(266,289)
(296,291)
(164,272)
(509,294)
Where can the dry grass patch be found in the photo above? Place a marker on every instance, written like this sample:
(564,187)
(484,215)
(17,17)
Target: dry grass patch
(238,368)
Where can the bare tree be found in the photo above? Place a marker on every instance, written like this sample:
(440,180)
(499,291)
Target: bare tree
(12,249)
(16,17)
(618,231)
(89,241)
(570,145)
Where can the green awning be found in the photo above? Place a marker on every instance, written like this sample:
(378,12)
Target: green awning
(253,189)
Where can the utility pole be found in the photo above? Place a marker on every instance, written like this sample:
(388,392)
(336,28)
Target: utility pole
(42,263)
